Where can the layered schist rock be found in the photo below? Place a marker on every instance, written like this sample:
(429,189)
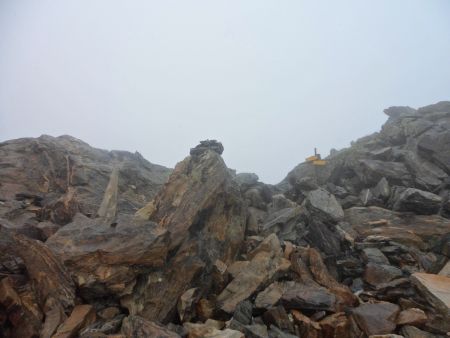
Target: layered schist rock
(410,151)
(203,212)
(53,178)
(356,248)
(36,291)
(106,259)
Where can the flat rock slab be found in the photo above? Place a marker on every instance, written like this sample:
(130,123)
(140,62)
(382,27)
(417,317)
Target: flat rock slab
(420,231)
(436,290)
(377,318)
(308,297)
(376,274)
(324,205)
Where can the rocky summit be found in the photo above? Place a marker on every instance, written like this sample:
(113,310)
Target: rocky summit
(97,243)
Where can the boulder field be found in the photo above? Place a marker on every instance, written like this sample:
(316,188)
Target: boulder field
(97,243)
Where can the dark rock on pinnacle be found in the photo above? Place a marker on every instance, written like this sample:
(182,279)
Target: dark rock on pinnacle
(207,145)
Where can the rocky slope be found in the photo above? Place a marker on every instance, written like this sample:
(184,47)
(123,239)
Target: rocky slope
(106,244)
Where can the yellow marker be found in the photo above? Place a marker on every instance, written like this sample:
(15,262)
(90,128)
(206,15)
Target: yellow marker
(319,162)
(312,158)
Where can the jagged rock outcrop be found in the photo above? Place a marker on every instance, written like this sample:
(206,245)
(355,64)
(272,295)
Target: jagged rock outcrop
(410,151)
(53,178)
(358,247)
(202,209)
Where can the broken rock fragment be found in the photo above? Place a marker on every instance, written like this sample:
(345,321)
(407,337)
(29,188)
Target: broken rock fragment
(266,263)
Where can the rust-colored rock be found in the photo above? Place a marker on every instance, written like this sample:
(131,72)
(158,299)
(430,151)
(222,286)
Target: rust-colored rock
(51,291)
(412,316)
(106,259)
(436,290)
(307,327)
(81,316)
(416,230)
(266,263)
(335,326)
(24,316)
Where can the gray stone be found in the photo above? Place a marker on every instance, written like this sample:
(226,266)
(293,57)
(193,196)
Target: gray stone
(418,201)
(374,255)
(400,111)
(378,318)
(324,205)
(376,274)
(308,297)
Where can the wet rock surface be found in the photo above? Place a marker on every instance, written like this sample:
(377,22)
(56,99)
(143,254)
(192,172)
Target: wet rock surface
(105,244)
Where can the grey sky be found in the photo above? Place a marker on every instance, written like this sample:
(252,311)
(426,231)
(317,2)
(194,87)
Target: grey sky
(270,79)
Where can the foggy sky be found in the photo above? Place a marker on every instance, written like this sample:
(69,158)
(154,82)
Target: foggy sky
(270,79)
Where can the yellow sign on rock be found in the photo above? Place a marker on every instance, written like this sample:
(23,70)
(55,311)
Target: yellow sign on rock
(319,162)
(312,158)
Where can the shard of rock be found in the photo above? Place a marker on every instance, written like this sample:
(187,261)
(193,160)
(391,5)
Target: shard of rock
(266,263)
(202,210)
(436,290)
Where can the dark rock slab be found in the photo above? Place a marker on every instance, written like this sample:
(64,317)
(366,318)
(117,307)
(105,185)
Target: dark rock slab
(308,297)
(376,274)
(376,318)
(323,205)
(417,201)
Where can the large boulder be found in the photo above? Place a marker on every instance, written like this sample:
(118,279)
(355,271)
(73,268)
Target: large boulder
(418,201)
(106,258)
(418,231)
(202,210)
(323,205)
